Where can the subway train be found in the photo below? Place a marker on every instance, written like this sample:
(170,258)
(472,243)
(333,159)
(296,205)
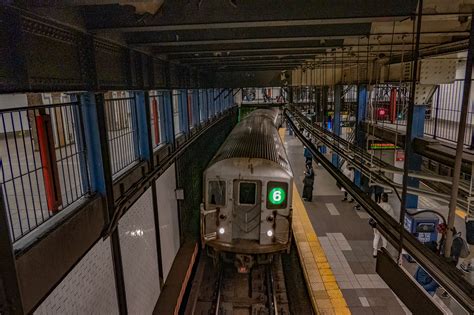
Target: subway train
(247,195)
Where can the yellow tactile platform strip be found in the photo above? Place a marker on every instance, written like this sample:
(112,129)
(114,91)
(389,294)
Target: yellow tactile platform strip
(326,296)
(325,293)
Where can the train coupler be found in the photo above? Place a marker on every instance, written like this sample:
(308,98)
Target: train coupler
(243,263)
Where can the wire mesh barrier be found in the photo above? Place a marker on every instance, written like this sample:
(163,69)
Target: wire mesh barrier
(122,132)
(43,163)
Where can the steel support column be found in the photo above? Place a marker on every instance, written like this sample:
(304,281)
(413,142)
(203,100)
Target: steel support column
(195,109)
(360,116)
(415,160)
(142,104)
(460,144)
(183,111)
(410,120)
(324,105)
(93,111)
(336,128)
(168,120)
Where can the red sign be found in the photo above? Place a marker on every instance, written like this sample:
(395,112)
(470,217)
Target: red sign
(400,156)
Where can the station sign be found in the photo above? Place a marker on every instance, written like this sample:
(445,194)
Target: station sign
(380,145)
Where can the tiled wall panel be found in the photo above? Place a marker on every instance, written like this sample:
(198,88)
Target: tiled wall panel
(88,289)
(168,215)
(140,262)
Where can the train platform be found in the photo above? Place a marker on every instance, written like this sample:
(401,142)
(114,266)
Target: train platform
(346,239)
(340,241)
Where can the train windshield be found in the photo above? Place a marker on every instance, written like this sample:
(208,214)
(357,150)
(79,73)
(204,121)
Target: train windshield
(216,192)
(247,193)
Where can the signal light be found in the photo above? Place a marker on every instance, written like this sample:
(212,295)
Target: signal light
(381,112)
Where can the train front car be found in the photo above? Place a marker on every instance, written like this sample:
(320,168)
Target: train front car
(246,214)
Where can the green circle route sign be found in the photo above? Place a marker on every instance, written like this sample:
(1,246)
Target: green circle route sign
(277,196)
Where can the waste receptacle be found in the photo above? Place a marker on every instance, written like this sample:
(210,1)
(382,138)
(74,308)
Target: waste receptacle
(422,226)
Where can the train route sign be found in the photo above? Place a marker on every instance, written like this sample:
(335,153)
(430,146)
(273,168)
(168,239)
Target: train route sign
(277,196)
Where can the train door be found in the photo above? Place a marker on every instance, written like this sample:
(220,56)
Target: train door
(247,208)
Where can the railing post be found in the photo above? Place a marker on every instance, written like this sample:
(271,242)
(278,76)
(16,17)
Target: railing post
(435,128)
(95,127)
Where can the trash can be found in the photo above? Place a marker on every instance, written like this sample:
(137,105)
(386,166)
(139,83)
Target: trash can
(422,226)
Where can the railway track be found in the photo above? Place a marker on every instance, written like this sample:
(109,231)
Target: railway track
(226,292)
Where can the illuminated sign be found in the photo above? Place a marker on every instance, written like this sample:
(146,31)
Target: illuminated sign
(383,146)
(277,195)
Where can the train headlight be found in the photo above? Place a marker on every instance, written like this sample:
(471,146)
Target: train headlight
(221,230)
(269,233)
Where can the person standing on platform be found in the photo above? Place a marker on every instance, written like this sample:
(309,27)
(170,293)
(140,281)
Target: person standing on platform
(307,155)
(466,265)
(308,182)
(348,171)
(378,191)
(377,236)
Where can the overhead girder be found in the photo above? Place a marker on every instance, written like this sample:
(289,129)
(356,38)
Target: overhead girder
(185,14)
(248,33)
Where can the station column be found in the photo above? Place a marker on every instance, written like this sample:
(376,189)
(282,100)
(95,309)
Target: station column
(415,160)
(336,128)
(360,116)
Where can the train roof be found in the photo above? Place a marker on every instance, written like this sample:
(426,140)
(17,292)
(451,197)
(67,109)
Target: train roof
(256,136)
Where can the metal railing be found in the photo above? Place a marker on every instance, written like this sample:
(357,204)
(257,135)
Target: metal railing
(266,95)
(122,132)
(442,116)
(43,163)
(446,114)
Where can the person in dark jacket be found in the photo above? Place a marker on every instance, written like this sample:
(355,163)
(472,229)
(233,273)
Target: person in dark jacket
(307,155)
(423,278)
(308,183)
(378,191)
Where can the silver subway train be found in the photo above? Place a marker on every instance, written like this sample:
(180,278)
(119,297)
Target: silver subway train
(246,211)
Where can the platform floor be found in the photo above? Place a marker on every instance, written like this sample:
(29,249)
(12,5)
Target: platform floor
(346,240)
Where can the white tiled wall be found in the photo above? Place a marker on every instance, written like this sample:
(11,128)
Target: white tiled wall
(168,215)
(88,289)
(140,262)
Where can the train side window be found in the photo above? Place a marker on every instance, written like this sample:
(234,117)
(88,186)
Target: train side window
(247,193)
(216,192)
(277,195)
